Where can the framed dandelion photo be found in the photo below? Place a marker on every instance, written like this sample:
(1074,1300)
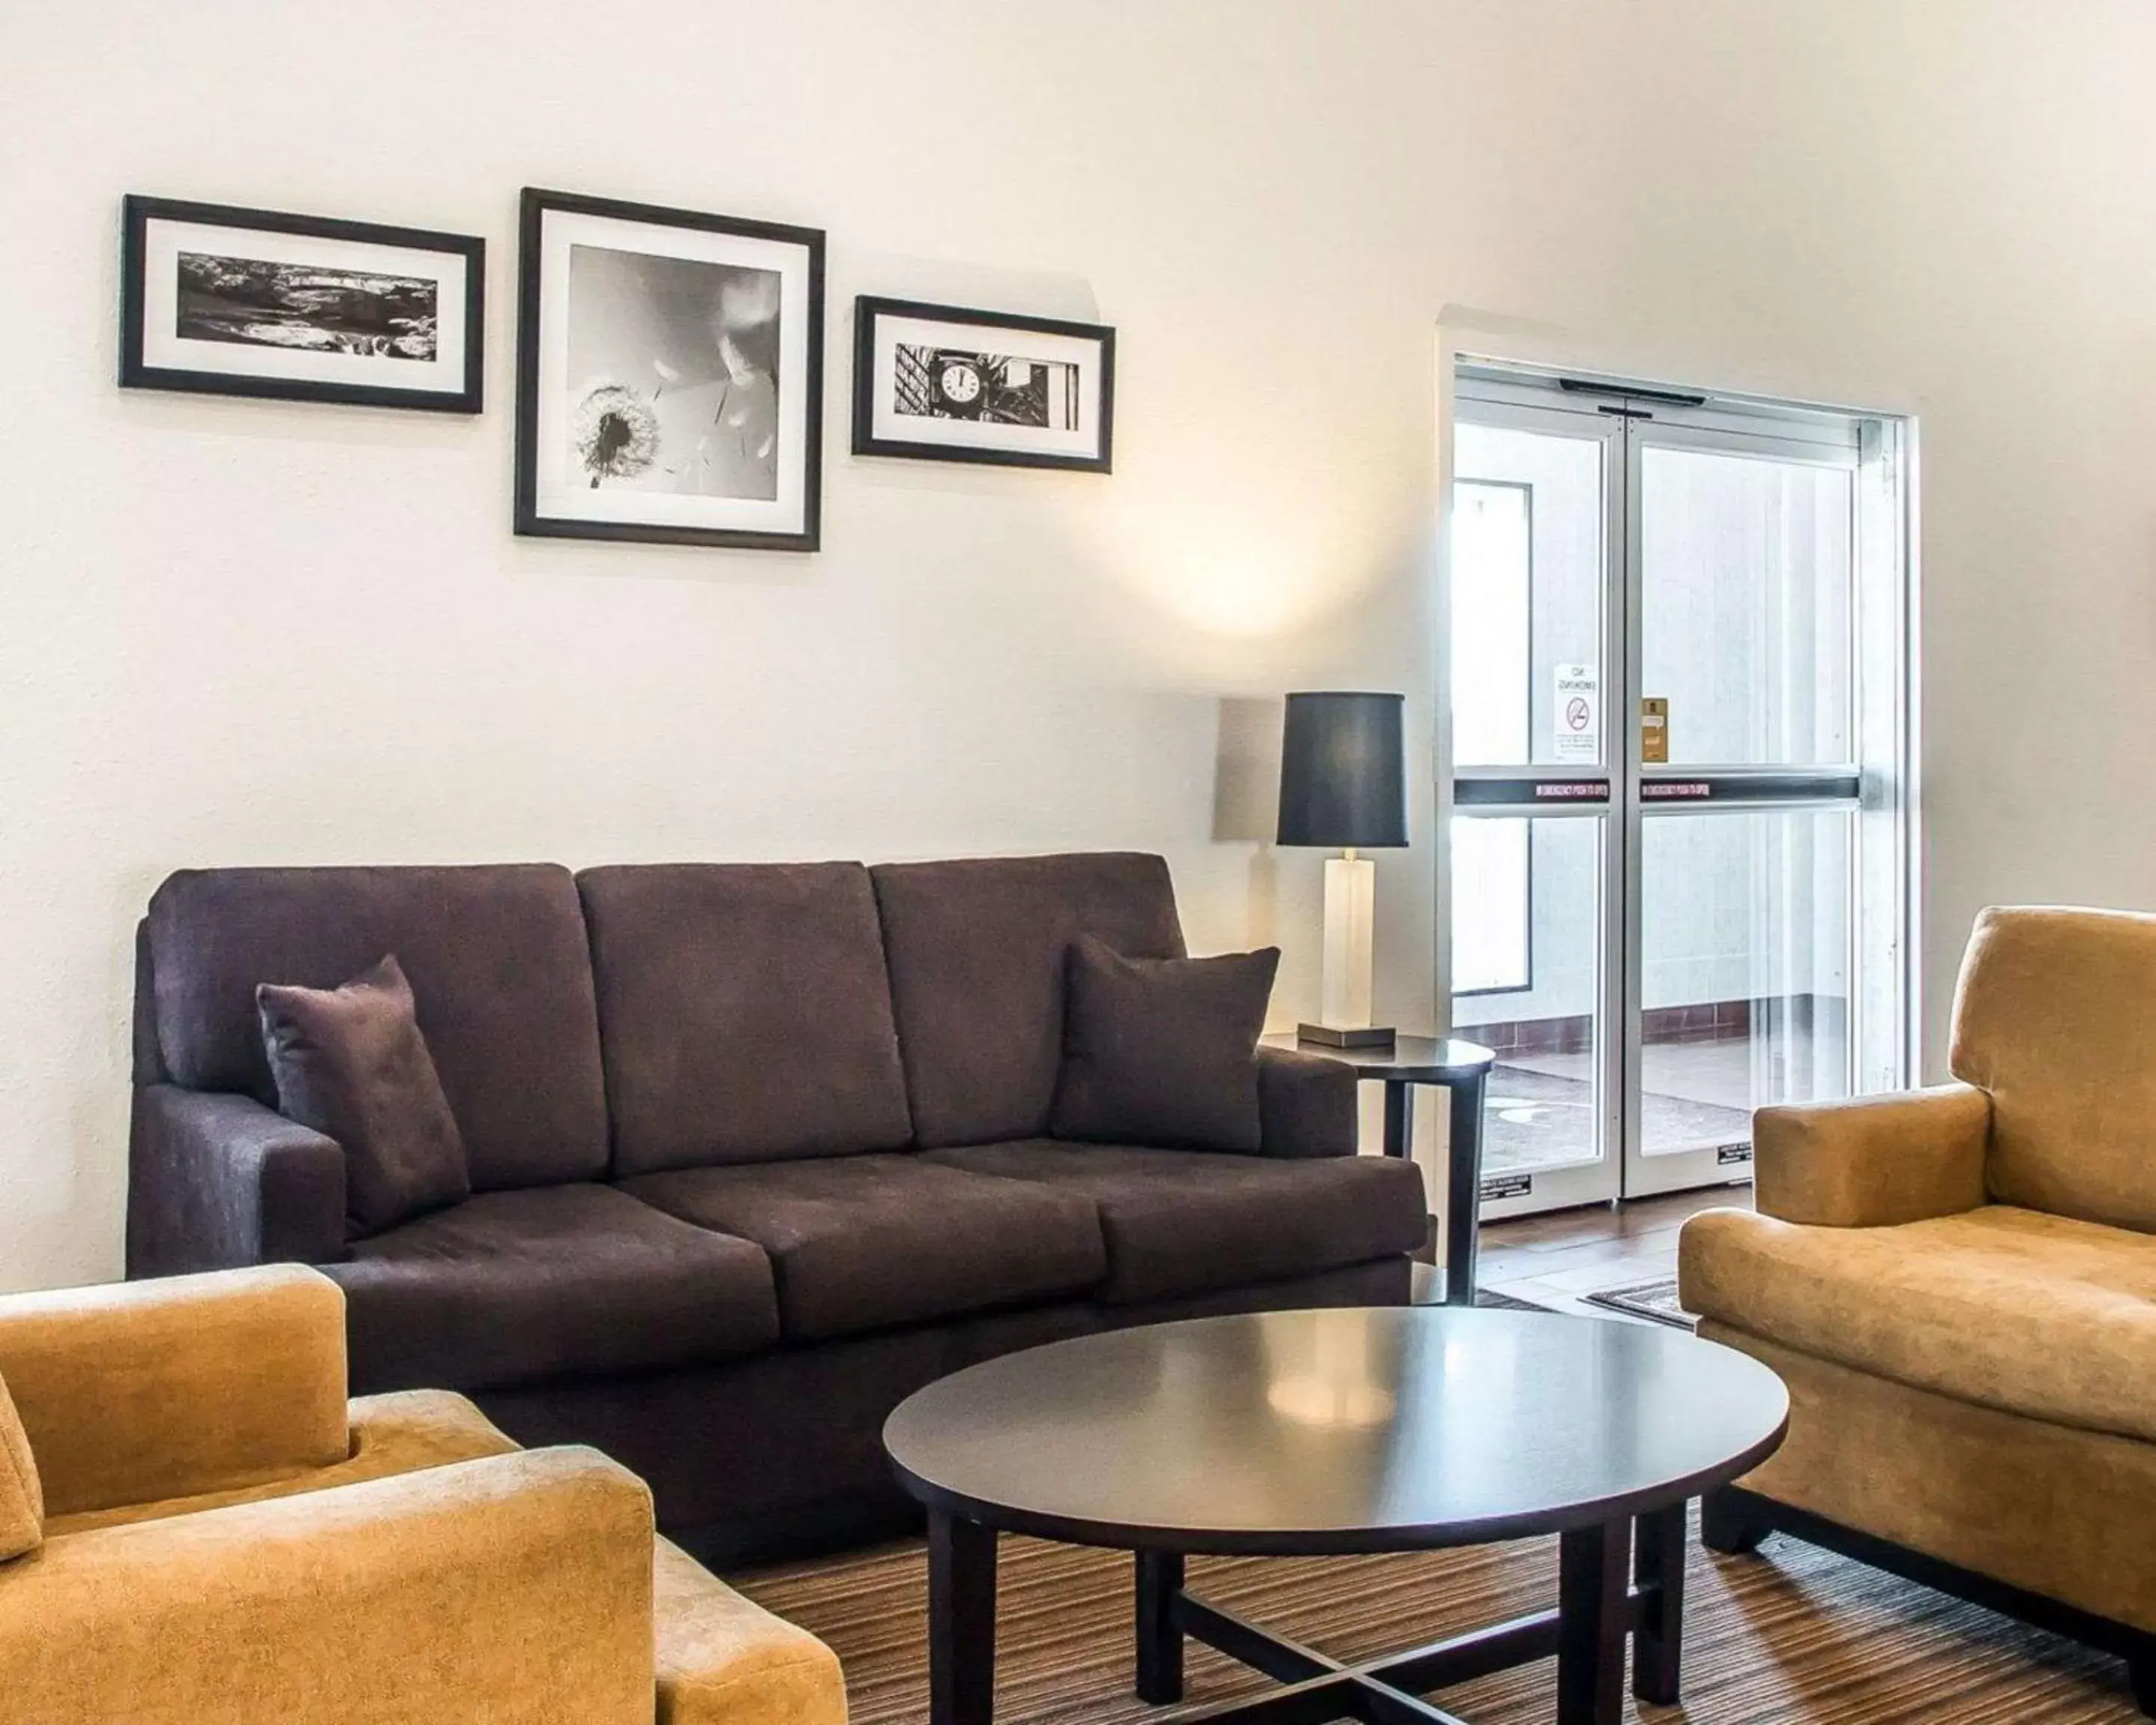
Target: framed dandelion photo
(944,383)
(216,300)
(669,376)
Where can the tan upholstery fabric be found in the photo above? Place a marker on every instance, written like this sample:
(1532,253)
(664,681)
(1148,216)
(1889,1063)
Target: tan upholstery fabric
(723,1661)
(2056,1017)
(515,1589)
(399,1433)
(2008,1308)
(22,1500)
(2062,1513)
(1873,1161)
(144,1390)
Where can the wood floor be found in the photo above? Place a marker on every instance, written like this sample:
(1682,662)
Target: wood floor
(1556,1260)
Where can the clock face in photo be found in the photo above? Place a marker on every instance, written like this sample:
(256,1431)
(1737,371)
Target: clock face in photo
(959,386)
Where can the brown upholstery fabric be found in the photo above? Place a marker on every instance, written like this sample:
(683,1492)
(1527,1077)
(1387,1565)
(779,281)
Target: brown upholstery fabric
(1163,1050)
(516,1590)
(497,961)
(862,1242)
(746,1013)
(22,1499)
(2008,1308)
(216,1181)
(135,1391)
(351,1063)
(1875,1161)
(1306,1104)
(2055,1017)
(976,949)
(2060,1511)
(1186,1221)
(512,1287)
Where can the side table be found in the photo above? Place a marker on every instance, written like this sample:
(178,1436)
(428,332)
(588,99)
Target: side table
(1463,1069)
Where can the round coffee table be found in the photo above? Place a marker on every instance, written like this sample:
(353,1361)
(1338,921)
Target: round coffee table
(1292,1433)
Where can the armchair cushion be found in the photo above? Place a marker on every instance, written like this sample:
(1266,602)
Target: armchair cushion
(557,1282)
(2012,1309)
(350,1061)
(2055,1017)
(864,1242)
(522,1580)
(723,1660)
(1163,1050)
(1188,1221)
(22,1500)
(142,1390)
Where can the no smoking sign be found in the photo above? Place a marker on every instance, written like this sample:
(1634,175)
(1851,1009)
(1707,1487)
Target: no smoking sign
(1578,714)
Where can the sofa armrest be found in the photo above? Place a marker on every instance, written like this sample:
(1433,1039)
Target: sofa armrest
(1875,1161)
(517,1589)
(1305,1104)
(216,1181)
(136,1392)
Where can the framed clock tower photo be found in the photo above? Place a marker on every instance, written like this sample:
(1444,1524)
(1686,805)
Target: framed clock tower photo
(943,383)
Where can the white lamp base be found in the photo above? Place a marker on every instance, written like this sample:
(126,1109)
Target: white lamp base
(1351,891)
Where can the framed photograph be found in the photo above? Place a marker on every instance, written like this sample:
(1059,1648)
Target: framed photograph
(225,302)
(669,376)
(940,383)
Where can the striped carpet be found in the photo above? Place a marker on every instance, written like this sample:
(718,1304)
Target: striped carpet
(1793,1634)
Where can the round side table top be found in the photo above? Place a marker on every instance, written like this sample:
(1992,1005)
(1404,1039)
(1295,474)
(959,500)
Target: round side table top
(1423,1059)
(1355,1429)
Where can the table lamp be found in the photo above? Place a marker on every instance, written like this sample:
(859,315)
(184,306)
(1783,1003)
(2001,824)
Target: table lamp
(1343,786)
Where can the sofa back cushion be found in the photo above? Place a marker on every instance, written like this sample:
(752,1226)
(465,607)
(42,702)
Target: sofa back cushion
(977,951)
(745,1013)
(498,967)
(2055,1017)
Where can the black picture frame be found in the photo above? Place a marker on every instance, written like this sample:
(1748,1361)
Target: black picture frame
(531,335)
(869,310)
(138,370)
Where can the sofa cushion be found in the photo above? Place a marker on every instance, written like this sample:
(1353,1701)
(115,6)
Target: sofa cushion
(977,958)
(745,1013)
(1186,1221)
(2008,1308)
(2054,1016)
(559,1282)
(21,1501)
(351,1063)
(497,963)
(862,1242)
(1163,1050)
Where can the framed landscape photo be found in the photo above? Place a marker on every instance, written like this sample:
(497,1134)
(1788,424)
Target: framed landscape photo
(942,383)
(225,302)
(669,376)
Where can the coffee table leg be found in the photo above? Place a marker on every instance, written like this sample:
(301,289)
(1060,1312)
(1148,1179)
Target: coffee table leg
(962,1621)
(1658,1567)
(1160,1642)
(1594,1612)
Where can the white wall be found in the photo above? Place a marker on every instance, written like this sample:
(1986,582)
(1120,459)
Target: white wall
(235,632)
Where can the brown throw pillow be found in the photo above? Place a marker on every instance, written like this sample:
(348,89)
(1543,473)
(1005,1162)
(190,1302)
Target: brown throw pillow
(351,1063)
(1161,1051)
(22,1499)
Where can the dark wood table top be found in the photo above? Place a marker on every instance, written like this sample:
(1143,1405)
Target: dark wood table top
(1385,1429)
(1425,1059)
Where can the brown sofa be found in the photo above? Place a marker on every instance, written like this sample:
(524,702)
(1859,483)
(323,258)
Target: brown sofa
(1959,1285)
(756,1152)
(219,1535)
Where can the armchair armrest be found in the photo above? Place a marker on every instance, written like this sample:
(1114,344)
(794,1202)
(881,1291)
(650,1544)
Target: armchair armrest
(1305,1104)
(1875,1161)
(136,1392)
(216,1181)
(517,1589)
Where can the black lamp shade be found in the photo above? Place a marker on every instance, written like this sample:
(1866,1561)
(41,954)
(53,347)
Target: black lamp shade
(1343,771)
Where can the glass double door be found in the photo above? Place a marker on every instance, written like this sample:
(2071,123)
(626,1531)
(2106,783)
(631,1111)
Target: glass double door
(1677,872)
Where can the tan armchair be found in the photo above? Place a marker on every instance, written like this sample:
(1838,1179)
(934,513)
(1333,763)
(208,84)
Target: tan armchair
(215,1533)
(1959,1285)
